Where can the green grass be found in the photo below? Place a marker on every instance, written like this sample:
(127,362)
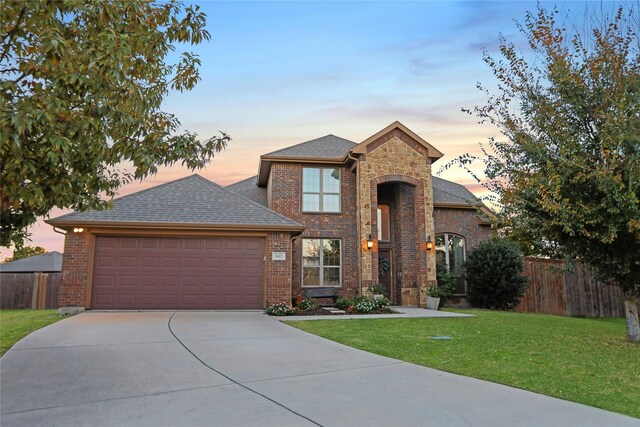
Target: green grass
(17,324)
(582,360)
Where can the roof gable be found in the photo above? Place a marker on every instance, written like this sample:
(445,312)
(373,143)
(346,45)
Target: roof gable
(185,202)
(362,148)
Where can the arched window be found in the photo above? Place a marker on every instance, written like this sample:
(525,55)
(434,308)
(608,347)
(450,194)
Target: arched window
(450,251)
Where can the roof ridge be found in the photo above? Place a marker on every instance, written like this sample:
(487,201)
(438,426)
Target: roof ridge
(307,142)
(139,192)
(242,180)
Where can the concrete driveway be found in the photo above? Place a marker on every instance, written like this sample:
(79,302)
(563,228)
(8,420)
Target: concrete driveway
(244,369)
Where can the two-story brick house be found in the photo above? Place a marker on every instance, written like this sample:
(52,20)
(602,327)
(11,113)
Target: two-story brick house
(327,213)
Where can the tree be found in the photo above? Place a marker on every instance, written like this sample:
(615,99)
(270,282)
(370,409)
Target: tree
(25,252)
(82,90)
(567,173)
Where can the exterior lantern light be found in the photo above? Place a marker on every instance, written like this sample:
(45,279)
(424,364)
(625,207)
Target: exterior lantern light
(429,244)
(370,243)
(78,229)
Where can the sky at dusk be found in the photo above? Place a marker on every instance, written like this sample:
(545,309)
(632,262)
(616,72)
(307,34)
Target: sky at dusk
(277,74)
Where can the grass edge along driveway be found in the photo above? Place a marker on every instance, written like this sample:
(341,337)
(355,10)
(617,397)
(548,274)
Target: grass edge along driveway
(17,324)
(582,360)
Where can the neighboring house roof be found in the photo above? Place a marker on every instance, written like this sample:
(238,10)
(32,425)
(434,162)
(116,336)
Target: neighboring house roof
(249,189)
(51,261)
(191,202)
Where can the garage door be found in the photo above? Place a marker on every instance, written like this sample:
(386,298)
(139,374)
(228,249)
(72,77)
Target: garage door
(177,273)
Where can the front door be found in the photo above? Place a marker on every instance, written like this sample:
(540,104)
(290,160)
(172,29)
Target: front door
(385,271)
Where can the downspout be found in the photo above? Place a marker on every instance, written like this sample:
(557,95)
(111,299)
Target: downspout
(357,163)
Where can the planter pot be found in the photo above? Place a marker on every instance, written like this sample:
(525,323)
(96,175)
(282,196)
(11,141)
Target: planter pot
(432,303)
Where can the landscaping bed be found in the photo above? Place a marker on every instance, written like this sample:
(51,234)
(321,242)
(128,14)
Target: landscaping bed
(343,306)
(325,312)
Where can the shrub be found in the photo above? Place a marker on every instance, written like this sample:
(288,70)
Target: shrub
(382,302)
(445,282)
(280,309)
(309,304)
(343,303)
(494,275)
(364,305)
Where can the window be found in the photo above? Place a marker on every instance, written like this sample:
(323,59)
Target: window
(450,250)
(383,223)
(320,190)
(321,262)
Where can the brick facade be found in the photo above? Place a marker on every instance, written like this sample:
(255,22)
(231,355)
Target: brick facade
(286,199)
(463,222)
(75,269)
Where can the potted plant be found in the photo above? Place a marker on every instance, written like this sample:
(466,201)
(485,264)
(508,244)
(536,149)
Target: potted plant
(377,290)
(444,287)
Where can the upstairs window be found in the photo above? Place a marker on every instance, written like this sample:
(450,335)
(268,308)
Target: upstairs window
(320,189)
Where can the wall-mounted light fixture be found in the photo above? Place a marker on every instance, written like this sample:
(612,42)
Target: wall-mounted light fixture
(78,229)
(429,244)
(369,243)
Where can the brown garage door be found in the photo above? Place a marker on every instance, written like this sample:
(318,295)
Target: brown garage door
(177,273)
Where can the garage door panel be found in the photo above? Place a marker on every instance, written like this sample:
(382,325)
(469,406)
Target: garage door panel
(178,273)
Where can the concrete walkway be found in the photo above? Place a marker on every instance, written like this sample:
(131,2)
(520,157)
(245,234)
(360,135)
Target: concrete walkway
(244,369)
(402,312)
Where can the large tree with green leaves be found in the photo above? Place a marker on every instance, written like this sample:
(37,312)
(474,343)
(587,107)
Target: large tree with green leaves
(81,102)
(567,170)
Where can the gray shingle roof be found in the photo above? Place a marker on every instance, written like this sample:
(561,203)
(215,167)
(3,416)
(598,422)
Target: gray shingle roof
(51,261)
(450,192)
(249,189)
(190,200)
(326,147)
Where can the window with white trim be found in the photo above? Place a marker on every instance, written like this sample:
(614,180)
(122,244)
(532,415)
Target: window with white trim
(450,250)
(320,189)
(321,262)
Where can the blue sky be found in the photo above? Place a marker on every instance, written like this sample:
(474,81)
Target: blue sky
(278,73)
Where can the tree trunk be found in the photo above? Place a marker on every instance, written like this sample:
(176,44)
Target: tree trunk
(631,301)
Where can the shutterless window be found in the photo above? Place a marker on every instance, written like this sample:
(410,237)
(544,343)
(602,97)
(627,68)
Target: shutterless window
(320,190)
(321,262)
(384,224)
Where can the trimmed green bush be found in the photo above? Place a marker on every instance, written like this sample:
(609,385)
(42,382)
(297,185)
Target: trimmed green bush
(343,303)
(494,275)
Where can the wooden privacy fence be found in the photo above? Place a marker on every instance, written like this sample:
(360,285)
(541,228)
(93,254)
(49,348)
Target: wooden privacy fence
(29,290)
(573,293)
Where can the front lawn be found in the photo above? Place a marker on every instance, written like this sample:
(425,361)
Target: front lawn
(17,324)
(582,360)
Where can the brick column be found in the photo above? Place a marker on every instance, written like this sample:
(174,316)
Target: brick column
(75,269)
(278,273)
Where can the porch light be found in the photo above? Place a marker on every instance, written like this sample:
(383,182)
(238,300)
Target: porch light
(370,243)
(429,244)
(78,230)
